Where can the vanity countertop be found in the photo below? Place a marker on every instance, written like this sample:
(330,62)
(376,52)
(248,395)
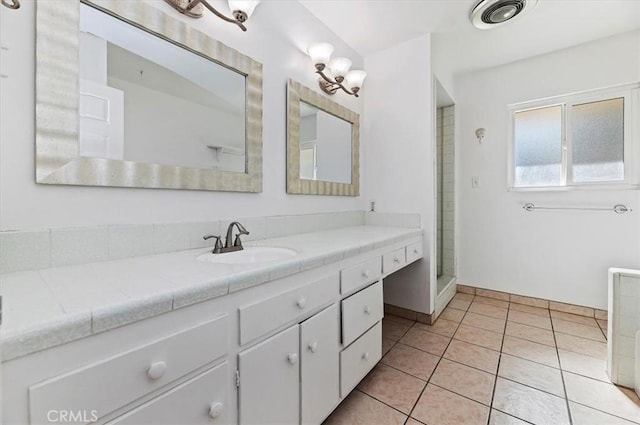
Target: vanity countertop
(49,307)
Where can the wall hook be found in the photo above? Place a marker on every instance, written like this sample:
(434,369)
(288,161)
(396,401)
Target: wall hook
(11,4)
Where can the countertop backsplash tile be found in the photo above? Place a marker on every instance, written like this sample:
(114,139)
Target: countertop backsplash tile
(40,249)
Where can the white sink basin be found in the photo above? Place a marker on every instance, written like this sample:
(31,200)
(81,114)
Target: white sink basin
(249,255)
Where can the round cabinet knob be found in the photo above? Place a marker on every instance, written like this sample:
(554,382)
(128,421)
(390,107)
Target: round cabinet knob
(292,358)
(313,347)
(157,370)
(215,409)
(396,260)
(415,250)
(367,309)
(302,302)
(365,356)
(365,274)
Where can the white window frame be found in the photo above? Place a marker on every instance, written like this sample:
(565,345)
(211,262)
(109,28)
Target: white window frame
(631,131)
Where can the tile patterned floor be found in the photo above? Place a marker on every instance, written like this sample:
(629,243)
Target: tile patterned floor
(491,362)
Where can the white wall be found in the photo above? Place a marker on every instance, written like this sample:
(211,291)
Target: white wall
(558,255)
(278,34)
(398,132)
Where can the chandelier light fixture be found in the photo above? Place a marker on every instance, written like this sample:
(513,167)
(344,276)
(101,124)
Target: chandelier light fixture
(334,73)
(240,9)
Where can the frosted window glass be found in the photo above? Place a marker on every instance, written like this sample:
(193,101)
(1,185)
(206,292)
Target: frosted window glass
(538,147)
(597,141)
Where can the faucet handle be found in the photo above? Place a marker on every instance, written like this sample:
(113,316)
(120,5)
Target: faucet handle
(237,241)
(217,248)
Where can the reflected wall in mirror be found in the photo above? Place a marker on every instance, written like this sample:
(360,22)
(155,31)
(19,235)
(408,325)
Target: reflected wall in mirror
(144,99)
(322,145)
(325,146)
(156,103)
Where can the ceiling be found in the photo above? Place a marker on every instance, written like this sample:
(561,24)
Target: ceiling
(373,25)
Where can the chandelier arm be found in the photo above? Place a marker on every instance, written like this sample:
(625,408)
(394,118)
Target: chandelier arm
(335,85)
(347,91)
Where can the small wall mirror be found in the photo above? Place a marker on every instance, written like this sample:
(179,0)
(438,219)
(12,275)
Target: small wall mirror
(157,104)
(322,145)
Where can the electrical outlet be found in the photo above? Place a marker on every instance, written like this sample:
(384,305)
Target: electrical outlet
(475,182)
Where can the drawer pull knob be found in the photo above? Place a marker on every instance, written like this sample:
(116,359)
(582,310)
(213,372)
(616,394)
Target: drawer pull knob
(365,274)
(367,309)
(292,358)
(157,370)
(215,409)
(365,356)
(302,302)
(313,347)
(415,250)
(396,260)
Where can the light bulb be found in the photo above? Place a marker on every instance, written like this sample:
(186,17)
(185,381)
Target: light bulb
(340,68)
(242,9)
(320,54)
(355,79)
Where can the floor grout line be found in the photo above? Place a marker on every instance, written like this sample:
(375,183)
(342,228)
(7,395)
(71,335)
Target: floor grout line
(564,386)
(496,374)
(438,363)
(380,401)
(602,411)
(509,414)
(495,382)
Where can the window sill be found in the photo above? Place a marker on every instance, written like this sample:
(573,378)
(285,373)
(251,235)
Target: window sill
(604,186)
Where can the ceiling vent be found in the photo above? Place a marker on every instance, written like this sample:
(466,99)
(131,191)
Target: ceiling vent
(489,14)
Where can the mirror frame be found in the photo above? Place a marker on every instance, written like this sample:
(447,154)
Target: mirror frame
(57,103)
(297,93)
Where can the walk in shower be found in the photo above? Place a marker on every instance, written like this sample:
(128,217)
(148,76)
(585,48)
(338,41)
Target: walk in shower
(445,189)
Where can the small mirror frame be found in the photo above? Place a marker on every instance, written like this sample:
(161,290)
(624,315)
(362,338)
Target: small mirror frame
(57,103)
(297,93)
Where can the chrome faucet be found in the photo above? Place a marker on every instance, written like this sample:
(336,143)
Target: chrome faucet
(228,246)
(237,243)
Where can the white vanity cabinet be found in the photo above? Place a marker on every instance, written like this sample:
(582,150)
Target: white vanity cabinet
(292,377)
(285,352)
(203,400)
(269,392)
(360,311)
(319,365)
(102,387)
(394,260)
(359,358)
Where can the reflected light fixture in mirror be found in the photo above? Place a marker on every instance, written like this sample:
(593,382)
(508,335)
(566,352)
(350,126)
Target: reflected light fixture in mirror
(240,9)
(335,74)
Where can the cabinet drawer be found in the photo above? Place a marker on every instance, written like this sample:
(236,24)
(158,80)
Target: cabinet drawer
(357,360)
(414,252)
(393,260)
(266,315)
(201,400)
(359,275)
(112,383)
(360,311)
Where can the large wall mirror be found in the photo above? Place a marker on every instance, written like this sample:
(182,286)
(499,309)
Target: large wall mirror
(127,95)
(323,147)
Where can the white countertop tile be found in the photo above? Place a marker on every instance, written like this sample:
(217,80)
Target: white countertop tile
(57,305)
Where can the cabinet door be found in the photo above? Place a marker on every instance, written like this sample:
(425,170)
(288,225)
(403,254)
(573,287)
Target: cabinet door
(319,365)
(270,381)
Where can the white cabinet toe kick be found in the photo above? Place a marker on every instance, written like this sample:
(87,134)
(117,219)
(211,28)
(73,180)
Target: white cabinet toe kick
(284,352)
